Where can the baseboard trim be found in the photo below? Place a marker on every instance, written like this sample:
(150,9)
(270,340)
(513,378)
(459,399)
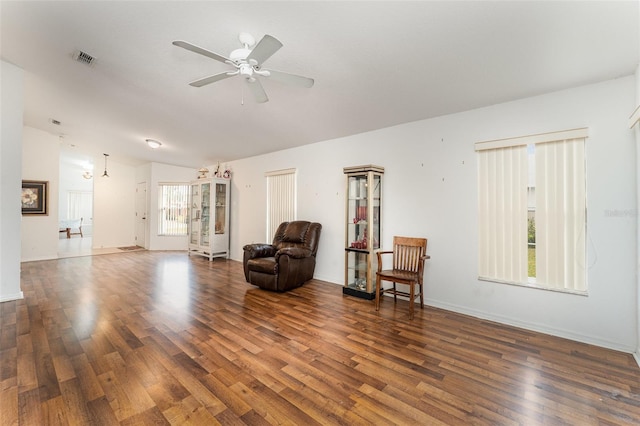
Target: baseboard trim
(11,297)
(565,334)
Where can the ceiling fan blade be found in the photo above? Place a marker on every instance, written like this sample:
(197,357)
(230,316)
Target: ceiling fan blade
(257,90)
(296,80)
(212,79)
(264,49)
(201,51)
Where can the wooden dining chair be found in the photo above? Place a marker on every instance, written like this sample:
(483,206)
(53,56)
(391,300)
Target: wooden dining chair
(409,255)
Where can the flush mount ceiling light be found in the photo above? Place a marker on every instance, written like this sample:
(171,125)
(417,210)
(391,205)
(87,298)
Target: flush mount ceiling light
(105,174)
(87,175)
(154,144)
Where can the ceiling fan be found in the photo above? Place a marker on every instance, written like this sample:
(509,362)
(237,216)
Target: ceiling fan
(247,62)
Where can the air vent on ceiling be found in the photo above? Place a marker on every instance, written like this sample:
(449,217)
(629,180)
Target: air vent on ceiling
(83,57)
(54,121)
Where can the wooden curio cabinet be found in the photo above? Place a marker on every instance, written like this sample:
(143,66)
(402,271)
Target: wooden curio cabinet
(209,218)
(362,234)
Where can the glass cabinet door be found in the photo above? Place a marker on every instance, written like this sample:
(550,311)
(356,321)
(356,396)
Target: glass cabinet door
(375,212)
(357,212)
(194,214)
(357,270)
(221,206)
(205,216)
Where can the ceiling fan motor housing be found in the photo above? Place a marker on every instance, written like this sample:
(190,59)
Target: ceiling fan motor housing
(246,70)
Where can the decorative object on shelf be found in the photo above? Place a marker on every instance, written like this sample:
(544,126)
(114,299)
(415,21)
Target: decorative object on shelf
(105,174)
(202,173)
(35,197)
(362,234)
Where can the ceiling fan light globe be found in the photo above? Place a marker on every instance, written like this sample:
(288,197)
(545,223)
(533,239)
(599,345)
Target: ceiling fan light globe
(239,55)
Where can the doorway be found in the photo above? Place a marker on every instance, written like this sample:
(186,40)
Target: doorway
(141,214)
(75,203)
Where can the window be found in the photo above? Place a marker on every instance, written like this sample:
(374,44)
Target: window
(532,210)
(80,205)
(281,199)
(173,205)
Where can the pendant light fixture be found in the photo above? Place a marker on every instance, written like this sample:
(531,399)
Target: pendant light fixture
(105,174)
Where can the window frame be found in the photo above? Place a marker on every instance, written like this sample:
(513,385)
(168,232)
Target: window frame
(572,282)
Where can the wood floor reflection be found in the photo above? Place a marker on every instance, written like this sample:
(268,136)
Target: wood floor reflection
(163,338)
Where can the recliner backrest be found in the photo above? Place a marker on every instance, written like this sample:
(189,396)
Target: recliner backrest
(299,233)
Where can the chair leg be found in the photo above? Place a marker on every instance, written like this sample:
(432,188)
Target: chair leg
(395,296)
(378,284)
(411,299)
(421,296)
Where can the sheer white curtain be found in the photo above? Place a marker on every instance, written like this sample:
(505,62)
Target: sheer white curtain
(561,215)
(80,205)
(502,204)
(281,199)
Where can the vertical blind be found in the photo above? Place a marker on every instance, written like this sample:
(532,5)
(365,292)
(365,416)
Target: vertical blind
(173,204)
(560,210)
(502,207)
(281,199)
(561,215)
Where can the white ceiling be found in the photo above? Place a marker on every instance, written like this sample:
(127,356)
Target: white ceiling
(375,64)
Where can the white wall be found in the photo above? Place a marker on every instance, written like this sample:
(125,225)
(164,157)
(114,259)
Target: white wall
(40,233)
(430,190)
(164,173)
(11,110)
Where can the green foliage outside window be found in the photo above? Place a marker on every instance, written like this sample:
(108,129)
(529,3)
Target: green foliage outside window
(531,239)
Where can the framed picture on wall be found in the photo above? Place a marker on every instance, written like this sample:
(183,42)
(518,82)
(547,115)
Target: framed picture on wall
(35,197)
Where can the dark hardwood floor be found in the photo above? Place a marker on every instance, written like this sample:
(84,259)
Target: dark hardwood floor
(163,338)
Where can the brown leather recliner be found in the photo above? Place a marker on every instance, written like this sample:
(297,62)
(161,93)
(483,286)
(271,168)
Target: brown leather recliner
(287,263)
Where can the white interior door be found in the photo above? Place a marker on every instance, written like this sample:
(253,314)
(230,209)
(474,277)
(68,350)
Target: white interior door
(141,214)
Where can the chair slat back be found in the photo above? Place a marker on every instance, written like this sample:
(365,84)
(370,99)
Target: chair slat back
(407,252)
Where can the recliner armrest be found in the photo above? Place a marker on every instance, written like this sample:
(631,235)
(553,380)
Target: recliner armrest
(259,250)
(293,252)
